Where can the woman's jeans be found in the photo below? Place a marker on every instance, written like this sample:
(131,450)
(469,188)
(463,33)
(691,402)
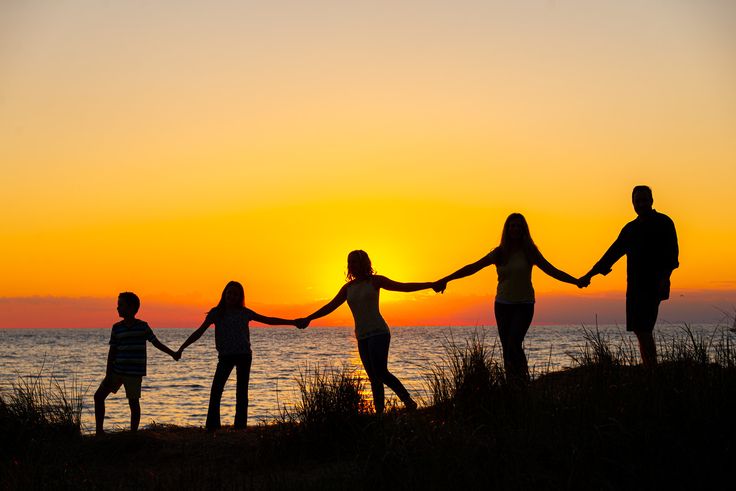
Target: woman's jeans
(374,355)
(513,322)
(225,365)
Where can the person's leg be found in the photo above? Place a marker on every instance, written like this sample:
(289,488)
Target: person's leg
(133,393)
(225,366)
(242,366)
(379,355)
(523,315)
(135,413)
(504,323)
(641,316)
(365,350)
(513,322)
(102,392)
(647,348)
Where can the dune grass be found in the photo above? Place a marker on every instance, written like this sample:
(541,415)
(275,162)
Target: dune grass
(43,402)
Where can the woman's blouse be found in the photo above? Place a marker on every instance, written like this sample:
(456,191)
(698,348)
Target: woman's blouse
(232,336)
(515,280)
(363,303)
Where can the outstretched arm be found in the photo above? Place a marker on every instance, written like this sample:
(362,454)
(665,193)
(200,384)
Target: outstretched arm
(557,274)
(272,321)
(466,270)
(339,299)
(613,254)
(161,346)
(196,334)
(387,284)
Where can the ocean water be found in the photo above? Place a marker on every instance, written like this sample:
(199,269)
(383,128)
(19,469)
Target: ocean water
(178,392)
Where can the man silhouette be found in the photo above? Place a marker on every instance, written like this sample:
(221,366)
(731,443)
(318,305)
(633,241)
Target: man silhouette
(650,245)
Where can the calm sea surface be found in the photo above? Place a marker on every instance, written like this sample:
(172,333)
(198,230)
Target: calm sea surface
(178,392)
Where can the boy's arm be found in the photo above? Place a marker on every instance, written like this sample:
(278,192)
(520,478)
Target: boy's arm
(158,344)
(110,358)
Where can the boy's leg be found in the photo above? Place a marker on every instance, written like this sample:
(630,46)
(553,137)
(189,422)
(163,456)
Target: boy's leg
(132,385)
(242,367)
(102,392)
(135,413)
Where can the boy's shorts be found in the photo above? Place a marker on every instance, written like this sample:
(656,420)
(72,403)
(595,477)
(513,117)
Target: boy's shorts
(132,384)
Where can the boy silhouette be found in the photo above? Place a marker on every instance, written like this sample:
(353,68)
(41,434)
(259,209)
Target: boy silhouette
(126,360)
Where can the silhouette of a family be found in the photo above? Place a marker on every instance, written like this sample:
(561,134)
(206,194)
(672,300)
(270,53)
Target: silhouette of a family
(649,243)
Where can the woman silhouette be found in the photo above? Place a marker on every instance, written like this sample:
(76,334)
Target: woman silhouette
(514,305)
(362,292)
(232,339)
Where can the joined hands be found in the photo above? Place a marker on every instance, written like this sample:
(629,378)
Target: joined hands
(583,281)
(439,286)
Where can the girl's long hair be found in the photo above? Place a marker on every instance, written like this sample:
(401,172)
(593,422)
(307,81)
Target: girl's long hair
(527,244)
(217,309)
(361,269)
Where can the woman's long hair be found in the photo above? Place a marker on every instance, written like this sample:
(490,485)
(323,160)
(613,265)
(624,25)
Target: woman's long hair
(223,303)
(359,266)
(527,244)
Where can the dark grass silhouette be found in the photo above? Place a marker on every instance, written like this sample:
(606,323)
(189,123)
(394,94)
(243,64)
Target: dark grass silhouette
(605,423)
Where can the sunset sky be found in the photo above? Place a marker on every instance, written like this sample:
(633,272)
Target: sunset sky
(168,147)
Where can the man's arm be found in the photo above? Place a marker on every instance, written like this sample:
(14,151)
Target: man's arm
(670,258)
(672,251)
(613,254)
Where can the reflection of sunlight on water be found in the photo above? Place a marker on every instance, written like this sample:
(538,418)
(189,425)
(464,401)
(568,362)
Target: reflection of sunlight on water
(355,362)
(178,393)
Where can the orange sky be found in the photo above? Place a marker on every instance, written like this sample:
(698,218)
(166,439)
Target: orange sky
(169,148)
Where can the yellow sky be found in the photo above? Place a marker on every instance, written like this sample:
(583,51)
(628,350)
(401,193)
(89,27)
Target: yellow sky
(169,147)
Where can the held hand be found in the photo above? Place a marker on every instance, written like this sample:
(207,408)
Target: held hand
(583,281)
(177,355)
(301,323)
(439,286)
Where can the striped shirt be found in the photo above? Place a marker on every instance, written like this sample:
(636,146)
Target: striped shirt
(129,342)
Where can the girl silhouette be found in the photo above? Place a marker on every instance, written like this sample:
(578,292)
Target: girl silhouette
(232,339)
(362,292)
(514,305)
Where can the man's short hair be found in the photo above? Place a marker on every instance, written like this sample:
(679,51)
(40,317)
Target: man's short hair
(131,299)
(643,189)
